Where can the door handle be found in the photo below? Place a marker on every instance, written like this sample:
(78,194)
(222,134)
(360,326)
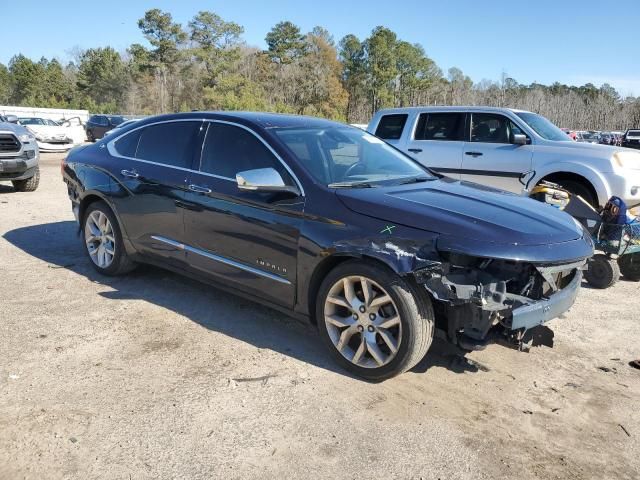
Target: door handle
(129,173)
(474,154)
(199,189)
(415,150)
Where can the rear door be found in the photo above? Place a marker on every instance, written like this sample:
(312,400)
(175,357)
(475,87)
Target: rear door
(438,140)
(247,239)
(152,164)
(490,157)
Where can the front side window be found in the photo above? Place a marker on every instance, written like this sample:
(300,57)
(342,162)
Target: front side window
(391,126)
(489,128)
(171,143)
(440,126)
(348,156)
(229,149)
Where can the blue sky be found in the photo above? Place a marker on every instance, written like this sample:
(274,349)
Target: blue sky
(543,40)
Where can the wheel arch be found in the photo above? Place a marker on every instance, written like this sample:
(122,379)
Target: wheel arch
(583,174)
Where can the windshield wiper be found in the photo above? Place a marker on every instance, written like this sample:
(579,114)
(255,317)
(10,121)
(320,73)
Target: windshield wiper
(416,180)
(350,185)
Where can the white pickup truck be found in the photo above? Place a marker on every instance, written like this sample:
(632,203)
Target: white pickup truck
(500,147)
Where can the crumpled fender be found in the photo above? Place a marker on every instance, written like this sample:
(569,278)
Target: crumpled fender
(403,256)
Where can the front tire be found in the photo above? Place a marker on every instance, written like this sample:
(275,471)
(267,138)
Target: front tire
(103,242)
(602,271)
(375,324)
(578,188)
(29,184)
(630,266)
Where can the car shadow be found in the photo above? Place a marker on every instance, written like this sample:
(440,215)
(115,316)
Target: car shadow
(6,189)
(59,245)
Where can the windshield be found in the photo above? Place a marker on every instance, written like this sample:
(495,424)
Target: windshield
(589,136)
(348,156)
(543,127)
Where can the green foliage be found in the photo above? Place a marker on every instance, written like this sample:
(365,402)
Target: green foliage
(209,66)
(285,43)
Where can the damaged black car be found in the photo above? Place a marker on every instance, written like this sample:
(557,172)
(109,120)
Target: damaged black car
(328,223)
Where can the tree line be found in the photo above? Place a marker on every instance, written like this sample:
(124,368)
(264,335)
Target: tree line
(207,65)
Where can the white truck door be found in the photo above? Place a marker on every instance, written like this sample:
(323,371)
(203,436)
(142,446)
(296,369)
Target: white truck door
(437,141)
(490,158)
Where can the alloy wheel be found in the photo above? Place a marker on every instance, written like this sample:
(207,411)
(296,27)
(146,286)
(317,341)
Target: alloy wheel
(99,239)
(363,321)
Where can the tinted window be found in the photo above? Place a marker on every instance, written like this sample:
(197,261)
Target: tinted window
(489,128)
(229,150)
(116,120)
(128,144)
(390,126)
(99,120)
(440,126)
(633,133)
(169,143)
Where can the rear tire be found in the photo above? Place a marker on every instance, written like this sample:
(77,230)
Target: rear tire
(103,242)
(90,136)
(602,271)
(630,266)
(29,184)
(378,334)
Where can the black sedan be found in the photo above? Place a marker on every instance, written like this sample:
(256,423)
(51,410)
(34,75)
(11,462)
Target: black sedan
(328,223)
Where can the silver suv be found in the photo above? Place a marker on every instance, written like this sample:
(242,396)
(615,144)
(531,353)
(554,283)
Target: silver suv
(496,146)
(19,156)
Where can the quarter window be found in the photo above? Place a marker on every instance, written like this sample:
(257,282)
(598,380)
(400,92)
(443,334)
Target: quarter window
(391,126)
(229,150)
(169,143)
(440,126)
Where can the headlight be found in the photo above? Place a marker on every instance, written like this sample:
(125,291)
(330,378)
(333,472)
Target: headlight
(629,160)
(26,137)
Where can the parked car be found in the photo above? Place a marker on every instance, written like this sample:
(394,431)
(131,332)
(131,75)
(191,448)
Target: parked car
(506,148)
(587,137)
(75,128)
(117,128)
(51,136)
(631,138)
(328,223)
(98,125)
(19,155)
(570,133)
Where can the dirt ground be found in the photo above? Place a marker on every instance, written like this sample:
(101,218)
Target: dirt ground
(153,376)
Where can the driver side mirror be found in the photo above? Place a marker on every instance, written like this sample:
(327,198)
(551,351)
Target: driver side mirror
(519,139)
(12,118)
(263,180)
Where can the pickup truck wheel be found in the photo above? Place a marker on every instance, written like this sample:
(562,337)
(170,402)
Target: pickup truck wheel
(29,184)
(630,266)
(103,241)
(577,188)
(374,323)
(602,271)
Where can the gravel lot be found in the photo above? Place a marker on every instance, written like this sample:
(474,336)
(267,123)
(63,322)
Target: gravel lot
(156,376)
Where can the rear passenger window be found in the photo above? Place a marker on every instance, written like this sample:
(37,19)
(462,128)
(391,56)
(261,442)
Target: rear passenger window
(229,150)
(127,145)
(169,143)
(391,126)
(440,126)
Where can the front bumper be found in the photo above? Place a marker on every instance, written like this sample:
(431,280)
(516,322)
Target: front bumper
(17,168)
(55,147)
(626,186)
(541,311)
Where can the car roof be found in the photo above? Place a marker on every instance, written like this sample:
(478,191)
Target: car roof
(446,108)
(260,119)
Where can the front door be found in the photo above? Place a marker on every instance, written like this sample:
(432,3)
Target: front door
(438,141)
(490,157)
(248,240)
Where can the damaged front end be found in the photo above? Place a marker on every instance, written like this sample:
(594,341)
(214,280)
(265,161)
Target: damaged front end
(480,299)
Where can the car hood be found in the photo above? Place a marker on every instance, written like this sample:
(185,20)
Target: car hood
(462,209)
(13,128)
(48,130)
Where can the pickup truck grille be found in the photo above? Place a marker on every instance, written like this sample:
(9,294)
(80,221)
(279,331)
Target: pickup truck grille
(9,143)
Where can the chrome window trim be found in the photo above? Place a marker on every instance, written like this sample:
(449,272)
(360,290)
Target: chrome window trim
(220,259)
(114,153)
